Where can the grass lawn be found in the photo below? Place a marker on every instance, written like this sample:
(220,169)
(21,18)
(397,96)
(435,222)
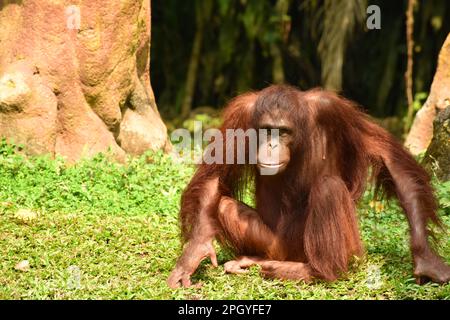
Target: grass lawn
(100,230)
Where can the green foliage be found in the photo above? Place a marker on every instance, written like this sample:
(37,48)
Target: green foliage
(443,191)
(206,120)
(249,44)
(117,224)
(419,99)
(240,35)
(145,184)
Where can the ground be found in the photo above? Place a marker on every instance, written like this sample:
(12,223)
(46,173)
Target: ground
(99,230)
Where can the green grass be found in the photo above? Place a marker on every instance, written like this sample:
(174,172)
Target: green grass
(109,231)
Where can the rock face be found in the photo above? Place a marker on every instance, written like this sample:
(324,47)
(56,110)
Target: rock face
(437,156)
(74,80)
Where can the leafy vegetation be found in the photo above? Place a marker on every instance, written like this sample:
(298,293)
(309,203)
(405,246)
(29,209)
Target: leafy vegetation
(247,44)
(102,230)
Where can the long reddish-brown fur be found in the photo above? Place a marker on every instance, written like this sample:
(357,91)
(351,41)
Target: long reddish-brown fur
(308,215)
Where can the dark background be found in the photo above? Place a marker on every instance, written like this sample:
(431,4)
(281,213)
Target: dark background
(239,37)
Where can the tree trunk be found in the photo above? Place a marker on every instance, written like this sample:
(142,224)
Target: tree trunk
(203,10)
(421,131)
(437,157)
(74,80)
(191,79)
(409,64)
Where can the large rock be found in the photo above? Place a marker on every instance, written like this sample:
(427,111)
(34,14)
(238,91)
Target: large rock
(76,90)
